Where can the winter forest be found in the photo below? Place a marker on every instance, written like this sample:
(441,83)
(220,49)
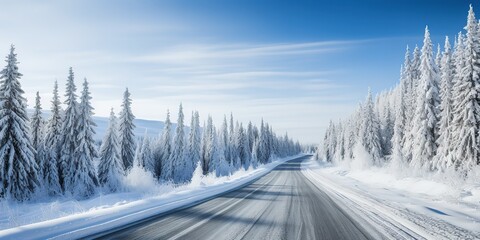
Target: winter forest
(430,122)
(59,157)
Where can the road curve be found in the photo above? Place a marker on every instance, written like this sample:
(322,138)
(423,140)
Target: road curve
(280,205)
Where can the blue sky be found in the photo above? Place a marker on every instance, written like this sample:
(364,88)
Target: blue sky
(295,63)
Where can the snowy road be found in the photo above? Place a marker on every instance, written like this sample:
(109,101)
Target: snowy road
(283,204)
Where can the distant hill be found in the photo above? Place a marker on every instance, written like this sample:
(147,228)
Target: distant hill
(153,127)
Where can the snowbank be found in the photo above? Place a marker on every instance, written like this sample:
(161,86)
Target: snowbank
(67,218)
(418,204)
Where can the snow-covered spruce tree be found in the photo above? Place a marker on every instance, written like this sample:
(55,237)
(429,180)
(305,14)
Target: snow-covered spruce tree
(332,145)
(164,166)
(409,94)
(232,151)
(218,162)
(36,123)
(458,56)
(438,57)
(444,140)
(247,144)
(255,151)
(69,132)
(157,154)
(110,168)
(237,161)
(399,122)
(126,135)
(289,148)
(241,141)
(387,129)
(194,143)
(415,69)
(36,126)
(250,136)
(426,114)
(262,154)
(136,160)
(211,145)
(329,142)
(270,143)
(370,131)
(52,141)
(18,170)
(144,156)
(207,150)
(350,138)
(340,141)
(178,156)
(224,138)
(82,179)
(203,151)
(466,109)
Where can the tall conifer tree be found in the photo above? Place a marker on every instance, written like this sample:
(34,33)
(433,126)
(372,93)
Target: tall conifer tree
(18,170)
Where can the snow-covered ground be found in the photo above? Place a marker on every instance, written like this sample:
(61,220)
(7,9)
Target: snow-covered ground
(67,218)
(402,206)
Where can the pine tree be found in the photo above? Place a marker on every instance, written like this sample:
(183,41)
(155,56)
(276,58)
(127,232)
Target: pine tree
(330,142)
(144,156)
(264,147)
(270,143)
(255,151)
(36,126)
(166,147)
(52,141)
(232,152)
(438,57)
(178,156)
(126,134)
(69,132)
(207,146)
(415,78)
(194,144)
(137,153)
(426,114)
(36,123)
(242,145)
(18,170)
(212,153)
(157,155)
(340,141)
(236,148)
(466,109)
(415,70)
(370,131)
(399,123)
(444,140)
(409,103)
(250,137)
(350,139)
(218,162)
(82,179)
(387,131)
(110,168)
(224,139)
(248,143)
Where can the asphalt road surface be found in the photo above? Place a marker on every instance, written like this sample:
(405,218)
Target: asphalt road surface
(280,205)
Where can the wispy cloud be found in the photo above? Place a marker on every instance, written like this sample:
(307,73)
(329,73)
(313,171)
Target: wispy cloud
(187,53)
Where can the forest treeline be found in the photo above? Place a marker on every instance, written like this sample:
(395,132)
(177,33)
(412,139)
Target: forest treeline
(430,120)
(59,157)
